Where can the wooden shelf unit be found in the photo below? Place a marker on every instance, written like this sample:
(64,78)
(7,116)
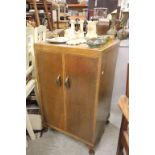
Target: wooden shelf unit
(80,9)
(77,6)
(42,5)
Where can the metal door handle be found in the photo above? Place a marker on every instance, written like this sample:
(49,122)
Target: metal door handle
(58,80)
(67,82)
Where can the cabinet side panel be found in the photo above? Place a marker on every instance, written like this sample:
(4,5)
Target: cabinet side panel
(49,68)
(109,58)
(80,97)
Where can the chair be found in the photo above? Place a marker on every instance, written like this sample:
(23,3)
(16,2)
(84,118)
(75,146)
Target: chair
(29,69)
(33,35)
(123,103)
(39,34)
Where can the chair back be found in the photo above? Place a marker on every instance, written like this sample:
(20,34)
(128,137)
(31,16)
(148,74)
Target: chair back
(29,46)
(40,34)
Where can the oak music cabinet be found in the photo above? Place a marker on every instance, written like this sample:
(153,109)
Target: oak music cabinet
(75,87)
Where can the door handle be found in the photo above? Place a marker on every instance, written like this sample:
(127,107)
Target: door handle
(67,82)
(58,80)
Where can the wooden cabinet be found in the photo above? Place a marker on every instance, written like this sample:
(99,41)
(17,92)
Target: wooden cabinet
(75,87)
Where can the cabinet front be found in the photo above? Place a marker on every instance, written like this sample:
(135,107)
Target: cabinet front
(80,84)
(50,79)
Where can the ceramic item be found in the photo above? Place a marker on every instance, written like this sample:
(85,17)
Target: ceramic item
(71,32)
(123,34)
(124,19)
(81,28)
(112,31)
(76,41)
(57,40)
(91,31)
(115,21)
(95,42)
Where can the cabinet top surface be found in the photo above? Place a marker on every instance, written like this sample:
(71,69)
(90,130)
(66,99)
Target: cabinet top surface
(78,47)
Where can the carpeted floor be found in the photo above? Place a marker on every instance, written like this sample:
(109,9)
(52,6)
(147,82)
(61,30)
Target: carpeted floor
(55,143)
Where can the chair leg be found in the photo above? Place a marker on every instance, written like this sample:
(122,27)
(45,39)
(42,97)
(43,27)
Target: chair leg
(107,120)
(120,146)
(29,127)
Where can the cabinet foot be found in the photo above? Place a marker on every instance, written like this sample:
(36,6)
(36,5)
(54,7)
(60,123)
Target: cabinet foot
(45,129)
(53,129)
(107,122)
(108,116)
(91,152)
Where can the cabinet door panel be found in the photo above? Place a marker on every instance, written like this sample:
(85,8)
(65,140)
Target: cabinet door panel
(80,96)
(50,79)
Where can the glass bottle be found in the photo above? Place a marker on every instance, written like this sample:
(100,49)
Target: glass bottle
(102,26)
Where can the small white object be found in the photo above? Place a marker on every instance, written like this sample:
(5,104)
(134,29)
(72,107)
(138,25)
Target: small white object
(32,11)
(71,33)
(91,30)
(81,29)
(57,40)
(41,11)
(54,16)
(76,41)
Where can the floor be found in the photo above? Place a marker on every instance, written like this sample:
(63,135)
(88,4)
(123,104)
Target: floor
(55,143)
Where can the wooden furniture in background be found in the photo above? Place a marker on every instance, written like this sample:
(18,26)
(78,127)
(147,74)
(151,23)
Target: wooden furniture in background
(50,20)
(81,10)
(123,142)
(127,82)
(62,12)
(36,12)
(42,4)
(72,1)
(75,87)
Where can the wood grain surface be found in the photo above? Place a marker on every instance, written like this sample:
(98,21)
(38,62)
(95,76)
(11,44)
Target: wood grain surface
(49,68)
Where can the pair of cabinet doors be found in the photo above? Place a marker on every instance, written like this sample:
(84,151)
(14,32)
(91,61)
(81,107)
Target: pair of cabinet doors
(68,85)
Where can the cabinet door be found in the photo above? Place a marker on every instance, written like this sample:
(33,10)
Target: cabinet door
(50,79)
(80,81)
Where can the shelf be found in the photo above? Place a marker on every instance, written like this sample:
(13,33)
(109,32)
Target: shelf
(39,2)
(77,5)
(80,17)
